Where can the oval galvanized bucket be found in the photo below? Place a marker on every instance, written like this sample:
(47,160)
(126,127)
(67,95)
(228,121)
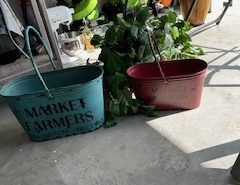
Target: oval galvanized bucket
(57,103)
(179,88)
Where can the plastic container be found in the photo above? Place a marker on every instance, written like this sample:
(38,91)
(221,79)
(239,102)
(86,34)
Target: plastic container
(182,88)
(84,8)
(57,103)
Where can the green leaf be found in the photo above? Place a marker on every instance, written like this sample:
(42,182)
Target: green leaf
(122,100)
(182,39)
(110,35)
(96,40)
(132,53)
(123,22)
(114,108)
(110,123)
(113,66)
(144,47)
(116,81)
(109,120)
(200,51)
(187,26)
(175,32)
(168,41)
(141,50)
(124,109)
(149,111)
(111,60)
(127,94)
(134,31)
(121,77)
(172,17)
(180,25)
(120,54)
(163,20)
(110,79)
(120,35)
(142,15)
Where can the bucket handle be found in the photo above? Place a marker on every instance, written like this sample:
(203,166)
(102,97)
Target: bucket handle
(154,47)
(28,47)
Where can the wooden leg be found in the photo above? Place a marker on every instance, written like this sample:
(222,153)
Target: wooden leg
(236,169)
(210,8)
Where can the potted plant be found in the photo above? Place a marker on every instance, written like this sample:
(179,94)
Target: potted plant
(126,44)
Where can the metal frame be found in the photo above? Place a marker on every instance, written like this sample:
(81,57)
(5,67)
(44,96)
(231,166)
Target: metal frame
(40,11)
(205,26)
(39,20)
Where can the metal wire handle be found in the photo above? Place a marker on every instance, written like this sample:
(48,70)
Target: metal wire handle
(28,47)
(154,47)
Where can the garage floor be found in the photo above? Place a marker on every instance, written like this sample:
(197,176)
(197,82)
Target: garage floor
(196,147)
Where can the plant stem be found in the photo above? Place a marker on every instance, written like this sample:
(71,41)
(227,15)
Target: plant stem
(152,42)
(151,45)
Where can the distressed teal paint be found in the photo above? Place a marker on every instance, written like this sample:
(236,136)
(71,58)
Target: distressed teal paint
(57,103)
(75,92)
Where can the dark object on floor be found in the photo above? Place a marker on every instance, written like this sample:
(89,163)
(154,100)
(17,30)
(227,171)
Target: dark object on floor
(236,169)
(9,56)
(8,52)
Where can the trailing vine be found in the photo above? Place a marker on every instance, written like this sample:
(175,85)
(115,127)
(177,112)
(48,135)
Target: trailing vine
(127,43)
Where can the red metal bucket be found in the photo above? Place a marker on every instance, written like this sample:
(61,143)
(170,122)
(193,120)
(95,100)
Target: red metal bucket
(181,90)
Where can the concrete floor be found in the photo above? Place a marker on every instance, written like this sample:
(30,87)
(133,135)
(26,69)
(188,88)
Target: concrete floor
(196,147)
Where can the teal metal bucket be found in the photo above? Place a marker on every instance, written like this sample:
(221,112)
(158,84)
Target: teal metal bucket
(57,103)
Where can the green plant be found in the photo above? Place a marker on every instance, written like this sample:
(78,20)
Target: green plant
(171,35)
(127,43)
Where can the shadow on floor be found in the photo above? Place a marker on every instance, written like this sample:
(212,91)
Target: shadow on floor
(216,152)
(175,160)
(131,153)
(215,68)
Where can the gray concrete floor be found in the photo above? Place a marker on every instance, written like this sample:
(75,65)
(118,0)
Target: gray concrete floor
(196,147)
